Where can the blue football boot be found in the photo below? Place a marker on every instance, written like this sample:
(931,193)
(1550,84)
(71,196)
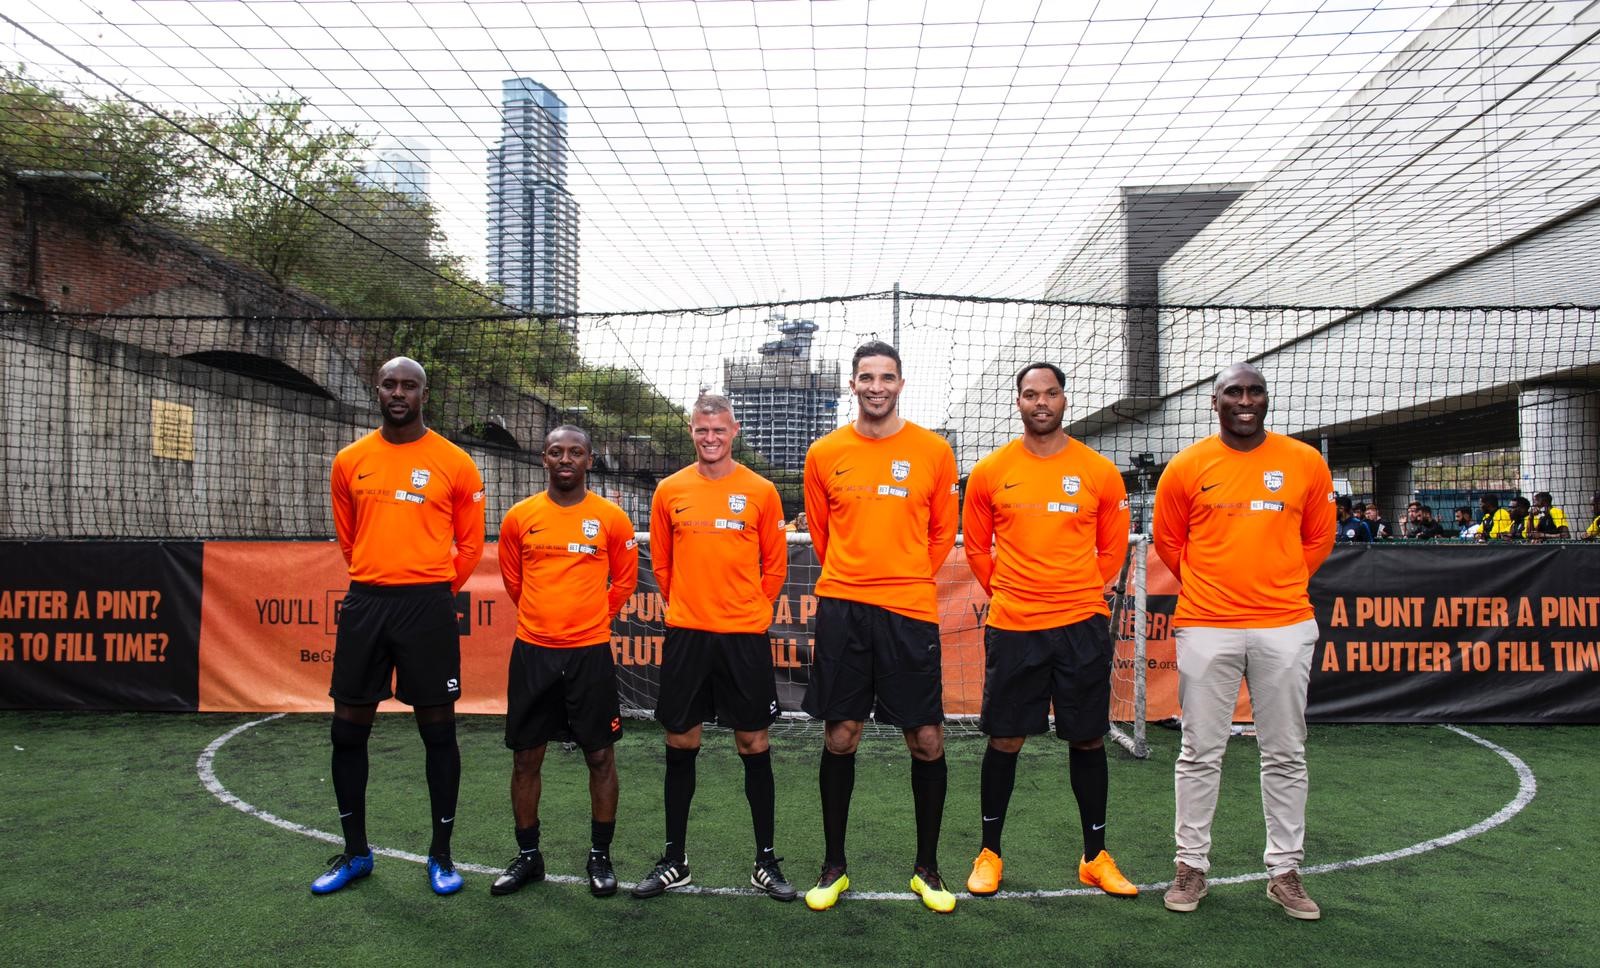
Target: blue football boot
(442,875)
(343,870)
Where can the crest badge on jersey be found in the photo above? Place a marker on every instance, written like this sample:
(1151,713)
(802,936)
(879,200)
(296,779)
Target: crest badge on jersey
(1273,480)
(736,503)
(1071,483)
(591,527)
(901,469)
(419,477)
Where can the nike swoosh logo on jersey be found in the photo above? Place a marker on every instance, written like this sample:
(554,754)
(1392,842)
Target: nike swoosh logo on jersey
(1207,487)
(362,477)
(682,509)
(842,470)
(535,530)
(1011,485)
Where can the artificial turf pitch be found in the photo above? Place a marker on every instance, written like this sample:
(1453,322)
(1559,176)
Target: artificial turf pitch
(119,855)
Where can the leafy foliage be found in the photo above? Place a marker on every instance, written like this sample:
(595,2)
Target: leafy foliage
(272,189)
(127,161)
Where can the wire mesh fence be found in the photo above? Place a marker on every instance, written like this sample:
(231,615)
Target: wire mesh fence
(218,426)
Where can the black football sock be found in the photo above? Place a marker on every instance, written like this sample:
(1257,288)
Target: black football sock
(760,790)
(678,794)
(350,781)
(443,768)
(528,839)
(600,834)
(837,778)
(994,793)
(929,778)
(1090,779)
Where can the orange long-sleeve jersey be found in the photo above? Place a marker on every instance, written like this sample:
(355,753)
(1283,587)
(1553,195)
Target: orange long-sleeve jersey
(555,562)
(1244,531)
(883,515)
(398,508)
(718,549)
(1059,529)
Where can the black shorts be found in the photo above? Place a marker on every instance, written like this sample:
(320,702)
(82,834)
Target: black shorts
(407,633)
(1024,672)
(720,677)
(869,660)
(562,694)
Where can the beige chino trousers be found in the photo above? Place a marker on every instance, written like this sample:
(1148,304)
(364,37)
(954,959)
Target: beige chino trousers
(1276,664)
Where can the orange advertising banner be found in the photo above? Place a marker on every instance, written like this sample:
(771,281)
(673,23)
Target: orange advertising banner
(271,610)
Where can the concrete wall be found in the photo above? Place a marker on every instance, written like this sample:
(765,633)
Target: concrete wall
(1480,131)
(60,255)
(77,458)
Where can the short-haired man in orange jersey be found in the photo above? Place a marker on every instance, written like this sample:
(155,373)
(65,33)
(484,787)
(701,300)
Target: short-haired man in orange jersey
(408,511)
(1046,524)
(882,504)
(569,560)
(720,554)
(1244,518)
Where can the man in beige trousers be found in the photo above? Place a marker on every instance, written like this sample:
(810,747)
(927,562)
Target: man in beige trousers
(1244,518)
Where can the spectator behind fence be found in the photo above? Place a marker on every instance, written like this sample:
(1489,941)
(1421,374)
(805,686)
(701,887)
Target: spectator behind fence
(1413,520)
(1381,531)
(1521,517)
(1494,521)
(1466,528)
(1427,527)
(1351,527)
(1547,521)
(1593,531)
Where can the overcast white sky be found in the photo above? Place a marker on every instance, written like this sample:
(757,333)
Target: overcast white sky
(729,152)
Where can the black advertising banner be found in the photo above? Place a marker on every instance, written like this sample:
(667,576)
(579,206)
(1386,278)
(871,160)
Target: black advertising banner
(1447,632)
(637,633)
(1413,633)
(111,625)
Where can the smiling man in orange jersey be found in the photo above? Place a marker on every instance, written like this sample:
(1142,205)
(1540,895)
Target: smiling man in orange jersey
(408,511)
(559,551)
(1056,512)
(882,504)
(1244,518)
(719,553)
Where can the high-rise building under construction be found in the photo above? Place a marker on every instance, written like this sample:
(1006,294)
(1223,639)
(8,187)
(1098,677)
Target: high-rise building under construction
(782,400)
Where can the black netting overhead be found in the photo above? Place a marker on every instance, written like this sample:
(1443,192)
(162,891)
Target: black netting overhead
(218,218)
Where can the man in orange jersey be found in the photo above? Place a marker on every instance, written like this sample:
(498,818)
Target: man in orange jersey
(882,504)
(569,560)
(1244,519)
(719,553)
(1056,513)
(408,510)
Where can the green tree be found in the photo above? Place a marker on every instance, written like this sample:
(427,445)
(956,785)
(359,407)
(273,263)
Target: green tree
(112,152)
(271,189)
(275,182)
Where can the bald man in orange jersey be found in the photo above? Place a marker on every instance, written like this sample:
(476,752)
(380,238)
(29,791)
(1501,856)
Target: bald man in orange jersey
(1244,519)
(1056,512)
(720,556)
(408,510)
(882,504)
(569,560)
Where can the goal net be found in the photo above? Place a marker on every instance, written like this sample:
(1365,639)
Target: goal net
(640,632)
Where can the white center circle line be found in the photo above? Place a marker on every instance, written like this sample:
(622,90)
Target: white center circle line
(1527,787)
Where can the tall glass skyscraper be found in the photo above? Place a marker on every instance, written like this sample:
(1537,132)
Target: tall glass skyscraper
(533,219)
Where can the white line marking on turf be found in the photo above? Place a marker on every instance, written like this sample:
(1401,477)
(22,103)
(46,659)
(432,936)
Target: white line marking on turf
(1527,786)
